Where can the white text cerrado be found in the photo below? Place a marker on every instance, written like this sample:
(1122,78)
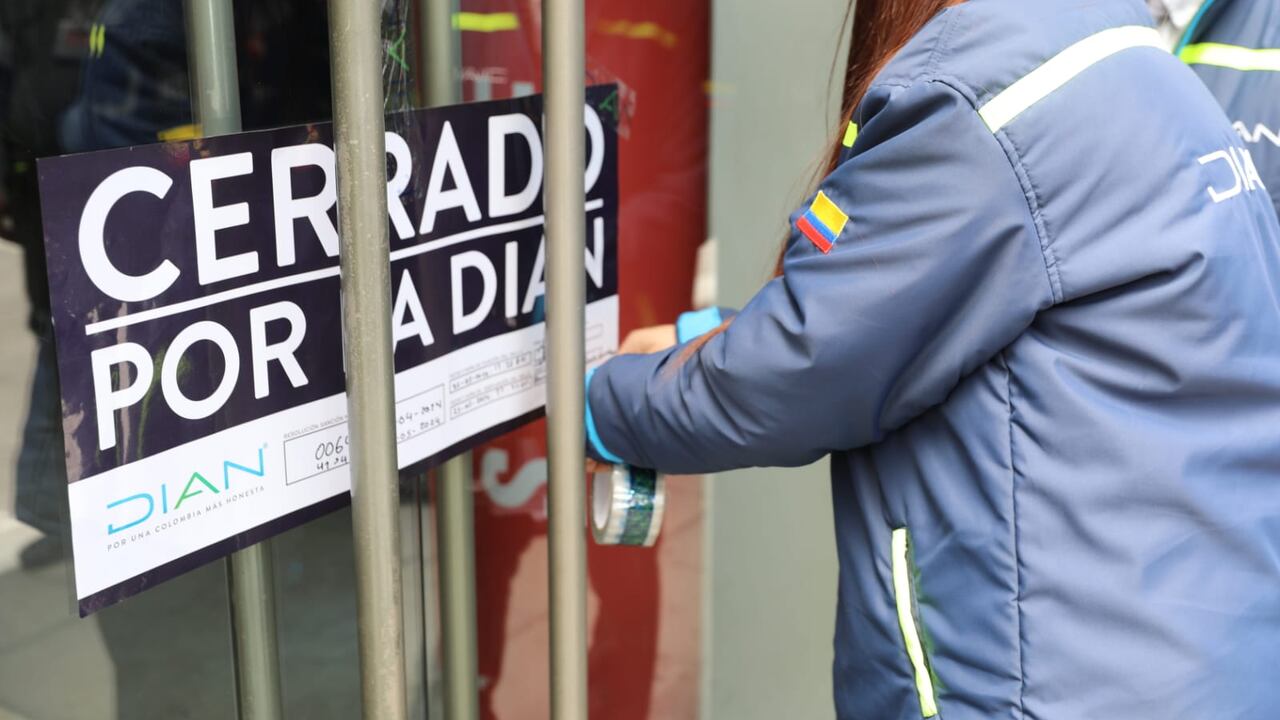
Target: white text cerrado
(517,287)
(448,162)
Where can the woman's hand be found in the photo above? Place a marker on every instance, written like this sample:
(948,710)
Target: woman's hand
(648,340)
(594,466)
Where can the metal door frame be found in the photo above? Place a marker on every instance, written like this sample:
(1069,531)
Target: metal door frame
(215,109)
(564,195)
(355,44)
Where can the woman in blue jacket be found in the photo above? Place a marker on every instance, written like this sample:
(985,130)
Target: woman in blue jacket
(1032,313)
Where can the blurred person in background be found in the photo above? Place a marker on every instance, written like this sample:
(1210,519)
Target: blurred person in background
(93,74)
(130,86)
(1234,46)
(48,43)
(1031,313)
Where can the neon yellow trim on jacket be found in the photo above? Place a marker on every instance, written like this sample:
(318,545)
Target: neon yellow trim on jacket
(97,40)
(850,134)
(179,132)
(485,22)
(902,595)
(1231,56)
(1061,69)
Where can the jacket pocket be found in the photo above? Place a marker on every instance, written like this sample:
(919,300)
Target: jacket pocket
(904,596)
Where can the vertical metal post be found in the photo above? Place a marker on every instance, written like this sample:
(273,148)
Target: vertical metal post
(456,550)
(211,50)
(251,578)
(564,196)
(215,101)
(455,512)
(416,604)
(355,58)
(440,52)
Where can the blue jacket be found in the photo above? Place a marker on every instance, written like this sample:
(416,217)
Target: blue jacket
(1043,353)
(1234,46)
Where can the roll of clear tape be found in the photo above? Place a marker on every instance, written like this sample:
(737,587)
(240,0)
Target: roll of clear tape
(626,506)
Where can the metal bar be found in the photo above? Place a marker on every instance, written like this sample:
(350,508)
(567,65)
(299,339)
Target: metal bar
(412,567)
(211,49)
(355,58)
(215,106)
(251,584)
(456,550)
(564,196)
(428,514)
(456,513)
(440,51)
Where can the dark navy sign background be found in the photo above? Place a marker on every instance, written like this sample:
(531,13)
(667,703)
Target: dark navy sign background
(195,290)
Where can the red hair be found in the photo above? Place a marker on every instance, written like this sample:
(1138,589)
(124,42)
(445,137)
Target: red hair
(880,29)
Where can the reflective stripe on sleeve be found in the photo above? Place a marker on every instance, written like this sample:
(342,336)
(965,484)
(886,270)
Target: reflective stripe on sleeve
(1061,68)
(1231,56)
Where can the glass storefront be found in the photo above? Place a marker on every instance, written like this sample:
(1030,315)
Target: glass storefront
(643,611)
(84,75)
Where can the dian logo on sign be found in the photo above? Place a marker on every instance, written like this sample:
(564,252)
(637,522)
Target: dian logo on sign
(131,511)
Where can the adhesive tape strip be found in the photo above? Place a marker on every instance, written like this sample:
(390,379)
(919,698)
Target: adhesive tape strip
(627,506)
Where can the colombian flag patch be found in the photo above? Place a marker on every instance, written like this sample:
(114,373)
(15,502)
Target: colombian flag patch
(823,223)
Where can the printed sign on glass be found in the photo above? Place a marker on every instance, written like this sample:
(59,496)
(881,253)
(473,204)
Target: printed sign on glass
(197,316)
